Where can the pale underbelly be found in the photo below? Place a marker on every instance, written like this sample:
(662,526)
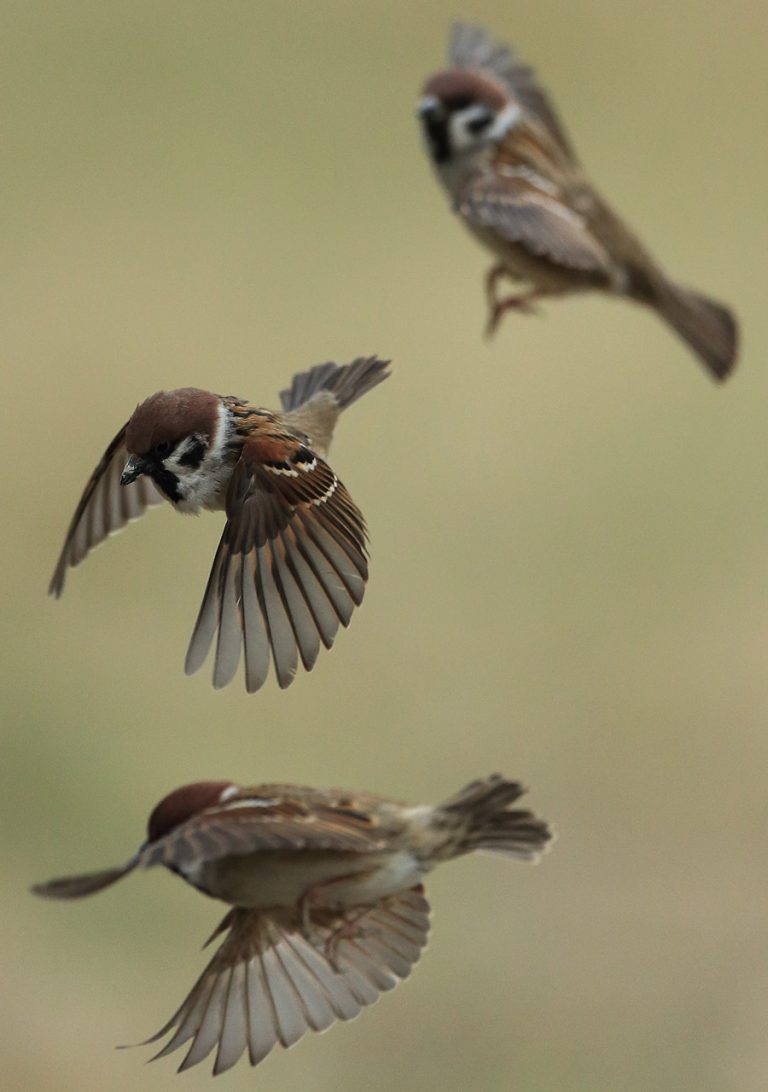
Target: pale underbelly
(335,880)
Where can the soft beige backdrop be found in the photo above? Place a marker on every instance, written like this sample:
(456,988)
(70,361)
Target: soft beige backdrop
(569,532)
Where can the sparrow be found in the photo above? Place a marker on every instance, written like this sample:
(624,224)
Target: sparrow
(292,561)
(328,908)
(510,170)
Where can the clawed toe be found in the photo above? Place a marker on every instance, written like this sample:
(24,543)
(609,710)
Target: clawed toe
(523,304)
(350,930)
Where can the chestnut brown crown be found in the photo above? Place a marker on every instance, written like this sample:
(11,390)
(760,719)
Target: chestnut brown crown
(182,804)
(168,416)
(456,90)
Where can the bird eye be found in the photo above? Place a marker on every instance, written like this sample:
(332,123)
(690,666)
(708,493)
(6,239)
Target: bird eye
(479,122)
(163,449)
(455,103)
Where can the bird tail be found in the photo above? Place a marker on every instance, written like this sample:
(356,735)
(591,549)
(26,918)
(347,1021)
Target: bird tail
(705,325)
(492,825)
(346,382)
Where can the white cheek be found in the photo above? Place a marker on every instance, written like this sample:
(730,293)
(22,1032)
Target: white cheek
(175,465)
(464,140)
(461,140)
(506,120)
(205,486)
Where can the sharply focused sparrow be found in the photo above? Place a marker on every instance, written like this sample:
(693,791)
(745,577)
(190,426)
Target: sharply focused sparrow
(504,158)
(291,564)
(325,887)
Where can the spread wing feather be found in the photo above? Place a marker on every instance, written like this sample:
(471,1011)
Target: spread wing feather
(290,567)
(105,507)
(268,983)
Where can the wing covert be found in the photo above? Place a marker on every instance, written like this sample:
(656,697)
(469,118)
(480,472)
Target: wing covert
(517,206)
(242,826)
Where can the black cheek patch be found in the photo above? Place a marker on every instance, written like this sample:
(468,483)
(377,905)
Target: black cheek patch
(167,483)
(193,456)
(437,137)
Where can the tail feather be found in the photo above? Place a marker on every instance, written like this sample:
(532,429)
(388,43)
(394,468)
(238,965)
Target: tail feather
(705,325)
(492,825)
(346,382)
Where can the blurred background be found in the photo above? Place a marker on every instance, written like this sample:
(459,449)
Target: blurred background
(569,531)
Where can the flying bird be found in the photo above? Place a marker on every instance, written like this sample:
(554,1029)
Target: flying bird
(292,561)
(328,909)
(510,170)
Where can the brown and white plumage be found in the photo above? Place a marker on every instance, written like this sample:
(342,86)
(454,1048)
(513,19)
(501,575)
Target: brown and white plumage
(504,157)
(268,984)
(471,49)
(328,910)
(291,565)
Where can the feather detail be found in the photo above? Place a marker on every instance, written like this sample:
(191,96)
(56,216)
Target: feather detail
(291,564)
(104,508)
(269,984)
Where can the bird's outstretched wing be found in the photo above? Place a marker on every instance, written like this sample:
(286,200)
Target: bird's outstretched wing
(269,983)
(290,567)
(105,507)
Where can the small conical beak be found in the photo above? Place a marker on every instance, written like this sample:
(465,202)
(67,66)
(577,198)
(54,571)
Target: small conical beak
(133,469)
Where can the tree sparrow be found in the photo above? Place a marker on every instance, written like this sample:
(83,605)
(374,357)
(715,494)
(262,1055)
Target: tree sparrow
(509,168)
(327,910)
(291,564)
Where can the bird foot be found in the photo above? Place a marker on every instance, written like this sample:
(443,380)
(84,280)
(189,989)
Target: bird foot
(499,308)
(327,943)
(351,929)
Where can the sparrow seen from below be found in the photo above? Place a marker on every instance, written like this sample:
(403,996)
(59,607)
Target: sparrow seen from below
(292,561)
(328,910)
(514,179)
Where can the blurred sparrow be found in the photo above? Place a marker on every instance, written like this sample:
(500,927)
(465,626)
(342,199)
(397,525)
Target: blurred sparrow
(504,158)
(327,905)
(291,564)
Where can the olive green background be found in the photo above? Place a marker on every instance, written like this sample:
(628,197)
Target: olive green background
(569,532)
